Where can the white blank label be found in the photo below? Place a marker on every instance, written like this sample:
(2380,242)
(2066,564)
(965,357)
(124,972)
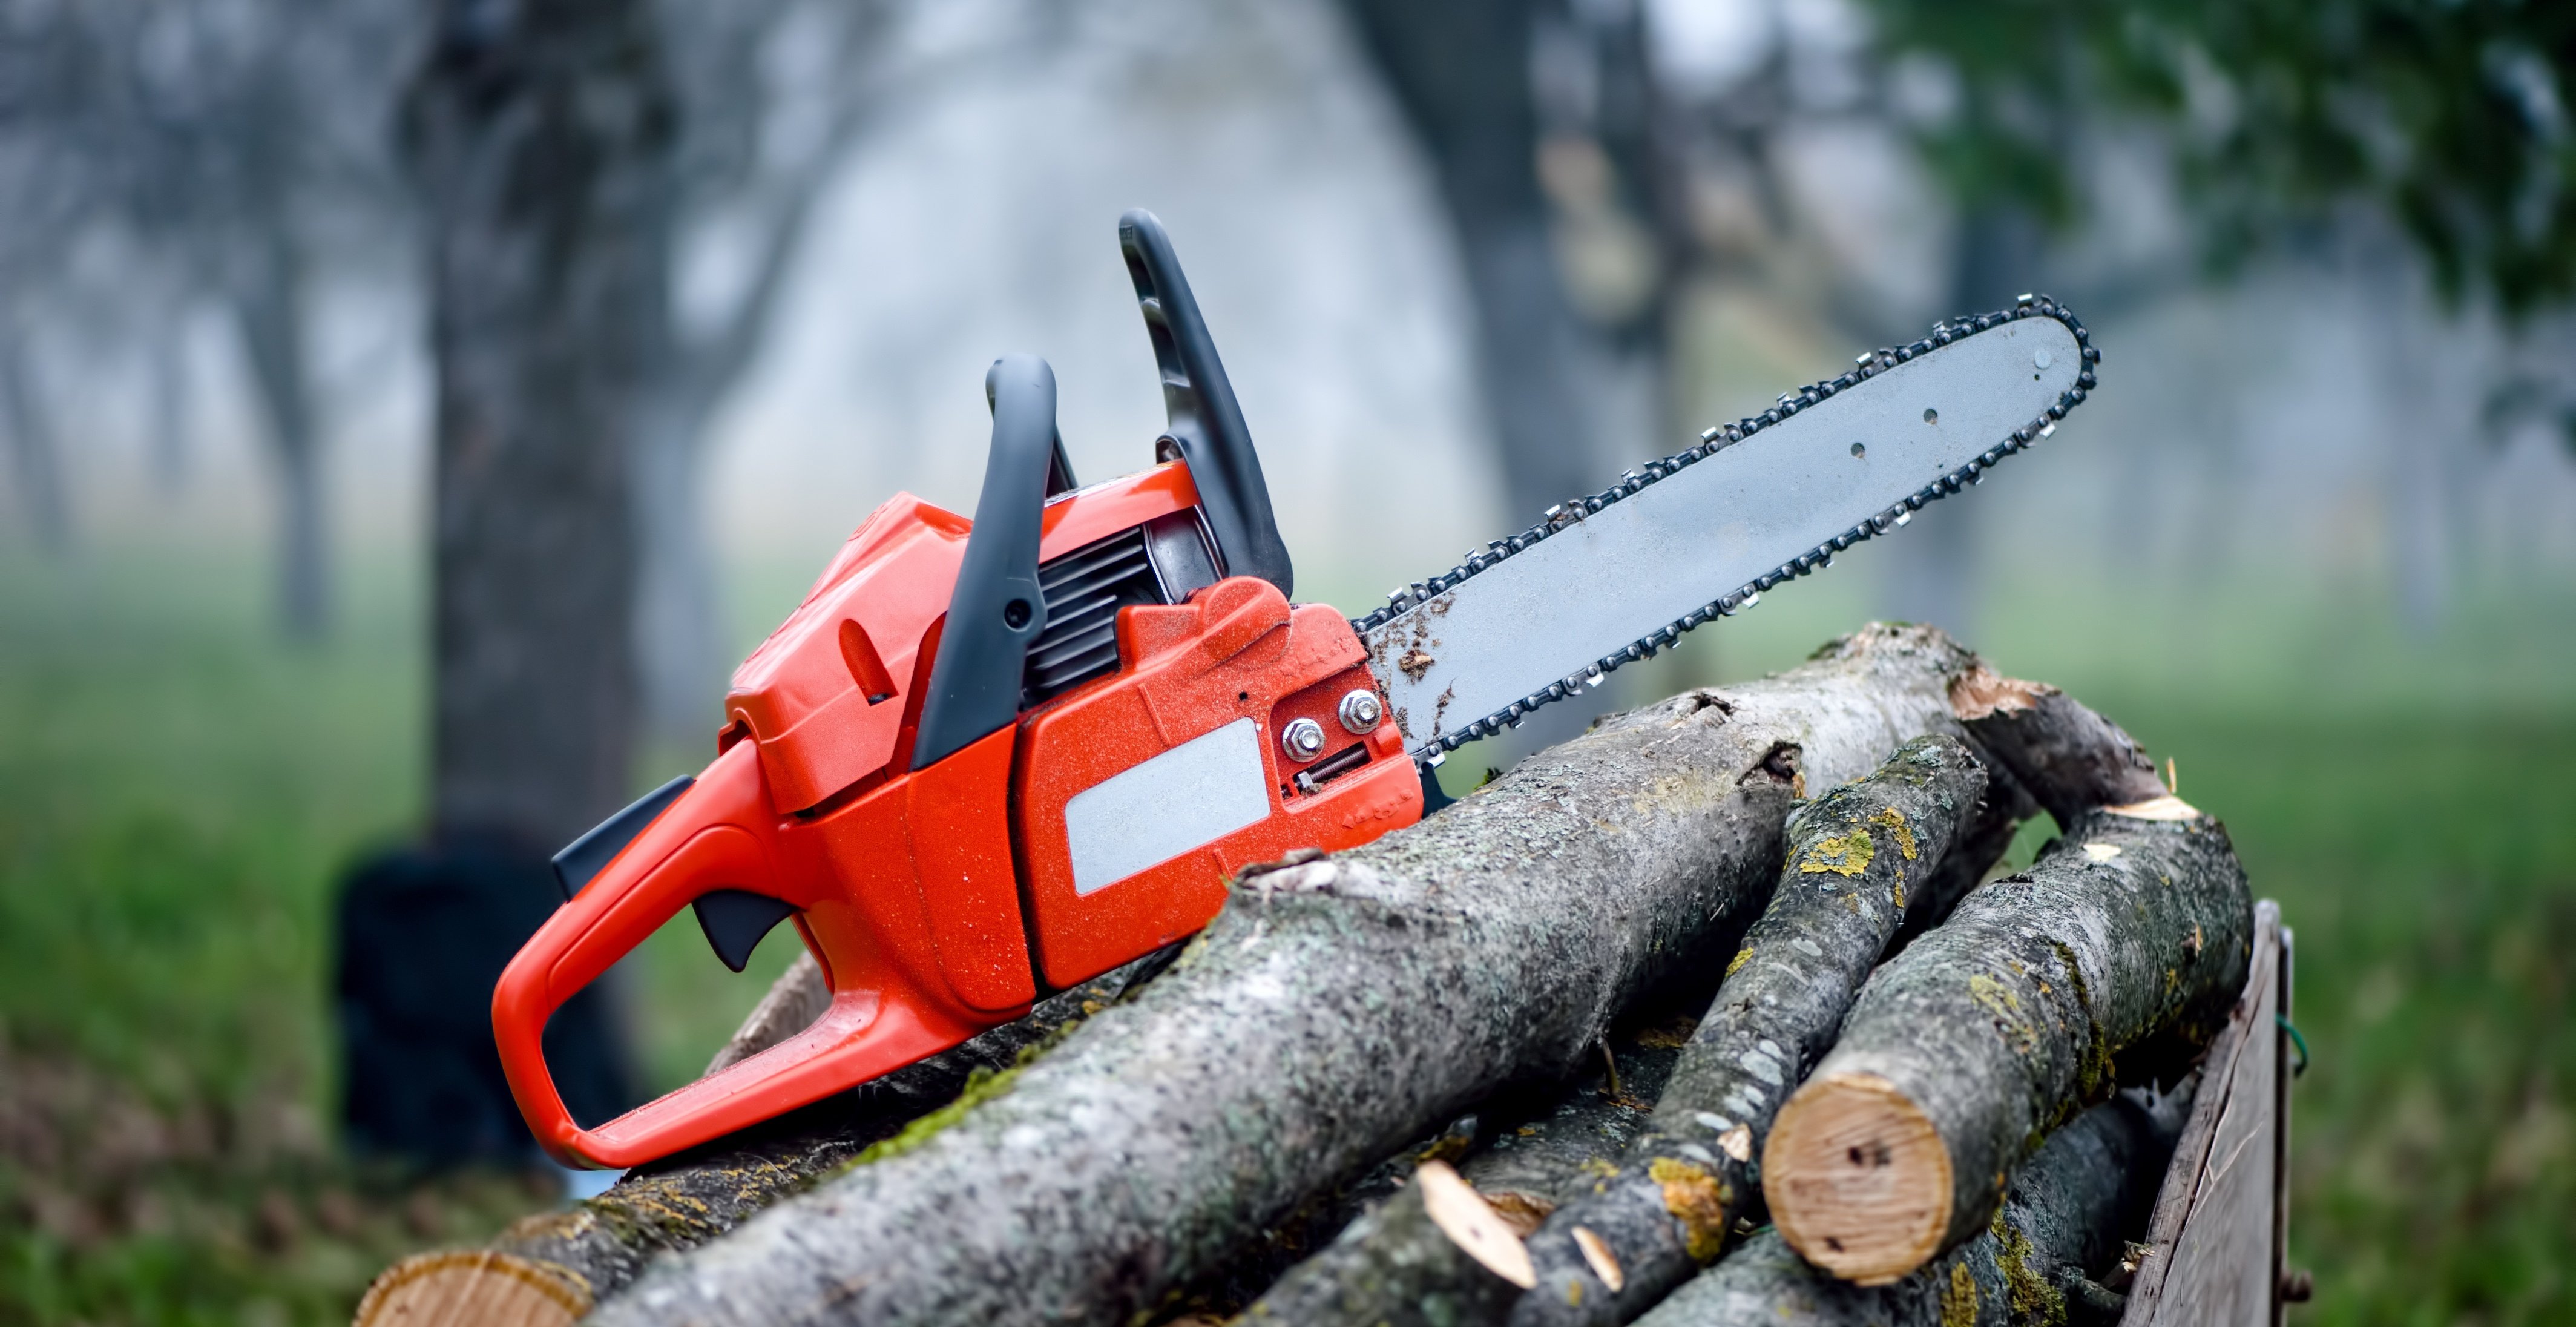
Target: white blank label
(1187,797)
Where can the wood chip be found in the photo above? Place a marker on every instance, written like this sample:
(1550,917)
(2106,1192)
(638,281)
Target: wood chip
(1524,1213)
(1597,1256)
(2157,808)
(1471,1225)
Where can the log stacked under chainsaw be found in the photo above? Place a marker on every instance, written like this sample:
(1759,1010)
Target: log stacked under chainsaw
(1549,1056)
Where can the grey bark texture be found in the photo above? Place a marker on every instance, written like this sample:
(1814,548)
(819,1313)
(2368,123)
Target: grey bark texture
(2042,1259)
(2070,758)
(539,136)
(2127,940)
(681,1202)
(1973,855)
(1392,1267)
(1332,1012)
(1857,860)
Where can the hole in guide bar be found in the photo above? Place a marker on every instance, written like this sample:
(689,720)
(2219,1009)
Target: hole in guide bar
(1931,416)
(1859,449)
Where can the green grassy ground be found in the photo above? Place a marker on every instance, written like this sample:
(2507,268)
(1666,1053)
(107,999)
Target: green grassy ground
(176,793)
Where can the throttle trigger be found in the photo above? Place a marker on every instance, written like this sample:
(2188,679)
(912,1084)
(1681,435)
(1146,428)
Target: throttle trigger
(736,920)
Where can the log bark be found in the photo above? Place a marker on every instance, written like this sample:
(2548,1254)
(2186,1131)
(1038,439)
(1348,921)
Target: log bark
(2130,935)
(573,1258)
(2042,1259)
(1973,855)
(1395,1266)
(1853,854)
(1331,1012)
(2070,758)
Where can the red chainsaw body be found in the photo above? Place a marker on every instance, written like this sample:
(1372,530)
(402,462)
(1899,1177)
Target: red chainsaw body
(944,900)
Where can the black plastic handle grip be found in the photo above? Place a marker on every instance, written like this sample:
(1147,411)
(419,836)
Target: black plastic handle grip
(1205,423)
(996,611)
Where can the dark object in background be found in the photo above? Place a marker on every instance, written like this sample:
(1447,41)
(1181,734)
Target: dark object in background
(423,933)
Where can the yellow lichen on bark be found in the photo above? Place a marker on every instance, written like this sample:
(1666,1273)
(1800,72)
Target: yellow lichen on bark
(1697,1199)
(1998,1000)
(1959,1302)
(1895,822)
(2032,1299)
(1845,855)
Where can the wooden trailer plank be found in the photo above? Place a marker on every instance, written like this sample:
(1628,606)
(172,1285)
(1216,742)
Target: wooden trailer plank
(2212,1243)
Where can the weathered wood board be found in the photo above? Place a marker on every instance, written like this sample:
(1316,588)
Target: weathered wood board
(2214,1242)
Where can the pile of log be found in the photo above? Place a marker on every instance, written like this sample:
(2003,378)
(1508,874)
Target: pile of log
(1709,1016)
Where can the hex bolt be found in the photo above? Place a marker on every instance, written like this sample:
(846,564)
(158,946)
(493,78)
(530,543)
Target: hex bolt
(1360,712)
(1302,739)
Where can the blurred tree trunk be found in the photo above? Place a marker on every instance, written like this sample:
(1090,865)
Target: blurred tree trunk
(540,137)
(1567,262)
(761,199)
(1460,71)
(1933,576)
(32,445)
(680,636)
(171,437)
(268,313)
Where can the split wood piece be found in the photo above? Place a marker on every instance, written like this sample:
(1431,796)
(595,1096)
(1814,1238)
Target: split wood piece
(1331,1012)
(2070,758)
(559,1263)
(2122,948)
(2042,1259)
(1401,1264)
(1854,854)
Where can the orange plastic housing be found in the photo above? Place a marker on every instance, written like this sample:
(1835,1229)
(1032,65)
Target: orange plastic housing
(933,909)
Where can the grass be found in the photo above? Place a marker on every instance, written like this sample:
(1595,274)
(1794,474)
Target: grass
(177,793)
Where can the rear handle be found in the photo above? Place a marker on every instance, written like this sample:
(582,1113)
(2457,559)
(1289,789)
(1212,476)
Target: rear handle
(713,840)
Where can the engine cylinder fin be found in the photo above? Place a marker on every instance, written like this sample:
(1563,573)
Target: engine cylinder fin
(1084,590)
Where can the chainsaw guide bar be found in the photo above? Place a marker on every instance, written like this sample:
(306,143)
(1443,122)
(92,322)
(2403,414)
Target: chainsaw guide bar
(1700,535)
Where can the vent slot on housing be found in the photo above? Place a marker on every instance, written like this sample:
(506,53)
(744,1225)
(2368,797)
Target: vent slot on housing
(1158,562)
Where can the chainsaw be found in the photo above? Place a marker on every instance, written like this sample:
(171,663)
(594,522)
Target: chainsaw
(985,760)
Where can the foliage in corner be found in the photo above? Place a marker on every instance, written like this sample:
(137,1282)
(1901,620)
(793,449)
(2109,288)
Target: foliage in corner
(2449,115)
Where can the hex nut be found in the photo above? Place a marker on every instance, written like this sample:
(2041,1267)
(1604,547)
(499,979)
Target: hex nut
(1361,711)
(1302,739)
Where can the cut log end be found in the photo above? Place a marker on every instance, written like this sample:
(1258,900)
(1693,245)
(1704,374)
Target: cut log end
(1980,692)
(473,1288)
(1869,1195)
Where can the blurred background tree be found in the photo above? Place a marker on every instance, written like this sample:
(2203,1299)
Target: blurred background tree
(2275,117)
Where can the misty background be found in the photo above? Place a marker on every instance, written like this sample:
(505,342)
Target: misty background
(2319,421)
